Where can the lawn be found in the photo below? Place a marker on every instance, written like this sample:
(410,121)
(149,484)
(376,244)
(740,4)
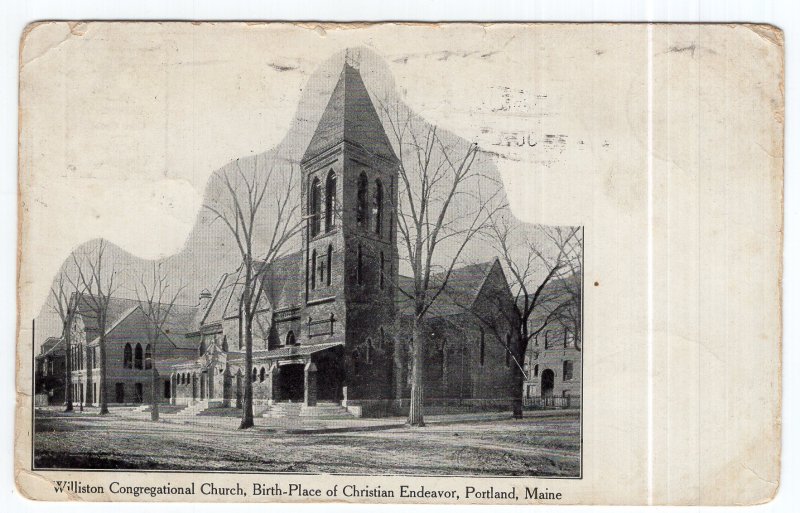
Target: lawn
(535,446)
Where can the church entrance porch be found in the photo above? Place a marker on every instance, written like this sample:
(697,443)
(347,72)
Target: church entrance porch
(302,374)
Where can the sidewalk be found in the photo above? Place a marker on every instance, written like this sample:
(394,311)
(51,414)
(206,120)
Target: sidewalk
(300,425)
(303,425)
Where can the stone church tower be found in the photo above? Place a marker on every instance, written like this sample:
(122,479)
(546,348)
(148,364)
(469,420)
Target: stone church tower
(349,194)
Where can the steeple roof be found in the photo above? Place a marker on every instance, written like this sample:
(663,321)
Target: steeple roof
(350,116)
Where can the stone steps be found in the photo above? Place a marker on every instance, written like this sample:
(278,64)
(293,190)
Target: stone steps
(192,409)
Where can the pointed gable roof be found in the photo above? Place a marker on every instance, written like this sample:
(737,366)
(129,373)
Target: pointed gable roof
(462,289)
(350,116)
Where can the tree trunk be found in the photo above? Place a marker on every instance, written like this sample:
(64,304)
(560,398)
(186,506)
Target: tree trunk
(519,382)
(415,416)
(519,378)
(68,377)
(154,387)
(247,406)
(101,385)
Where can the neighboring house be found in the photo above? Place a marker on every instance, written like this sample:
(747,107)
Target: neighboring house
(553,361)
(50,372)
(129,355)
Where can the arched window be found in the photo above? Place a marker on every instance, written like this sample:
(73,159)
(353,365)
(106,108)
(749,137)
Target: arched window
(567,374)
(202,348)
(330,258)
(483,346)
(262,375)
(383,266)
(314,201)
(369,351)
(127,360)
(360,266)
(137,357)
(536,371)
(290,340)
(377,206)
(148,357)
(508,349)
(255,374)
(312,271)
(330,202)
(361,200)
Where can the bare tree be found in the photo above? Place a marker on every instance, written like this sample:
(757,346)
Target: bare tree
(240,207)
(64,295)
(444,202)
(542,265)
(156,300)
(97,279)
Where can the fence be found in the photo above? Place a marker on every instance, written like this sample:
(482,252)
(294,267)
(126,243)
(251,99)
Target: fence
(552,402)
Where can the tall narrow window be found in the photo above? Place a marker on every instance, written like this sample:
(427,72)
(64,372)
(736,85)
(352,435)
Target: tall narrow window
(377,206)
(360,266)
(330,257)
(330,201)
(202,349)
(483,346)
(369,350)
(127,361)
(290,340)
(536,371)
(361,200)
(255,374)
(313,269)
(508,349)
(314,205)
(567,370)
(321,271)
(137,357)
(383,265)
(546,340)
(262,374)
(148,357)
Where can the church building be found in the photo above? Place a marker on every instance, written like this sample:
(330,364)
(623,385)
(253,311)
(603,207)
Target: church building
(335,330)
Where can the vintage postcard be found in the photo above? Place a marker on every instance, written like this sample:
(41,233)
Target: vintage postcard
(423,263)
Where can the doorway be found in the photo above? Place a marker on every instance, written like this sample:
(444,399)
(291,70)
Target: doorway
(548,381)
(329,377)
(292,378)
(119,392)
